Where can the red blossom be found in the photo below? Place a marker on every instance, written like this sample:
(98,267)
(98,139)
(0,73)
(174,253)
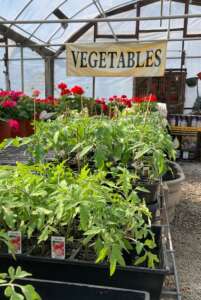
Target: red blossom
(150,98)
(77,90)
(13,124)
(65,92)
(199,75)
(100,100)
(8,104)
(35,93)
(62,86)
(104,107)
(136,99)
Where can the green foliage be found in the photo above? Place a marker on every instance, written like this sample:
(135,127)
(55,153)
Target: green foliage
(44,199)
(12,290)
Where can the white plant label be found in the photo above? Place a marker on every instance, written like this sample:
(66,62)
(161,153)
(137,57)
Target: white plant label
(58,247)
(16,241)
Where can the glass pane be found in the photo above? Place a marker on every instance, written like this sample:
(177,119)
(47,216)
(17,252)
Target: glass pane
(2,75)
(125,28)
(15,75)
(34,76)
(114,86)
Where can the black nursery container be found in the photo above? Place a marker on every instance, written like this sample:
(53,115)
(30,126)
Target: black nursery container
(56,290)
(83,272)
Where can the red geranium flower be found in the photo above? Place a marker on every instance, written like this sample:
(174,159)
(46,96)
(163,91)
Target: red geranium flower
(14,124)
(104,107)
(100,100)
(136,100)
(62,86)
(199,75)
(150,98)
(78,90)
(65,92)
(35,93)
(9,104)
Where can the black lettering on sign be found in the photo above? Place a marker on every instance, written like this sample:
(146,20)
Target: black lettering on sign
(102,63)
(112,54)
(131,59)
(93,60)
(83,62)
(75,57)
(158,57)
(138,65)
(149,60)
(121,63)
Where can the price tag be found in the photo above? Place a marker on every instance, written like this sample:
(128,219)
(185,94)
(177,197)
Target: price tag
(16,241)
(58,247)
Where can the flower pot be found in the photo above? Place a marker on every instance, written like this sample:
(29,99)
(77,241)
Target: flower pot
(153,188)
(84,272)
(26,128)
(172,189)
(53,290)
(5,131)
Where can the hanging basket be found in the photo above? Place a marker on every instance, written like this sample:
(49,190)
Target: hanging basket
(192,81)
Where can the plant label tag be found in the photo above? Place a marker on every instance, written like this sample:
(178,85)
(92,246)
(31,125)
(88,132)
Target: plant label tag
(58,247)
(16,241)
(185,155)
(146,171)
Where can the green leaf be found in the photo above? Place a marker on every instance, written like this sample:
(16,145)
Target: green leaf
(11,273)
(150,243)
(152,259)
(56,137)
(113,264)
(102,254)
(84,216)
(30,292)
(85,151)
(139,247)
(16,296)
(93,231)
(21,274)
(8,291)
(116,253)
(141,259)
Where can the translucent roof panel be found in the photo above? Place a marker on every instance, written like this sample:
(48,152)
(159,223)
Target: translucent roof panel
(43,10)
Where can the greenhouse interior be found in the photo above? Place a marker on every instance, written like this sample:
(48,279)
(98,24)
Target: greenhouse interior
(100,150)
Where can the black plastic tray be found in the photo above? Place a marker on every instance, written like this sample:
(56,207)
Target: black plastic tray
(52,290)
(82,272)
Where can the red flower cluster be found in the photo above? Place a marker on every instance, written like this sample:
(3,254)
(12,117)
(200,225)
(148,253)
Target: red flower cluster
(49,100)
(149,98)
(121,100)
(102,103)
(35,93)
(8,104)
(77,90)
(199,75)
(13,95)
(64,89)
(13,124)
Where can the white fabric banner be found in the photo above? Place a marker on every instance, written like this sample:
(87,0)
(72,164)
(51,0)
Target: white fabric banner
(116,59)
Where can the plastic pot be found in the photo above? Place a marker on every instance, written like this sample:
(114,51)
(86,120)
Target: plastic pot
(151,196)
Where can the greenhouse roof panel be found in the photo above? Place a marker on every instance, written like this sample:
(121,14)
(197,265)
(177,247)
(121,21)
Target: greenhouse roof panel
(44,10)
